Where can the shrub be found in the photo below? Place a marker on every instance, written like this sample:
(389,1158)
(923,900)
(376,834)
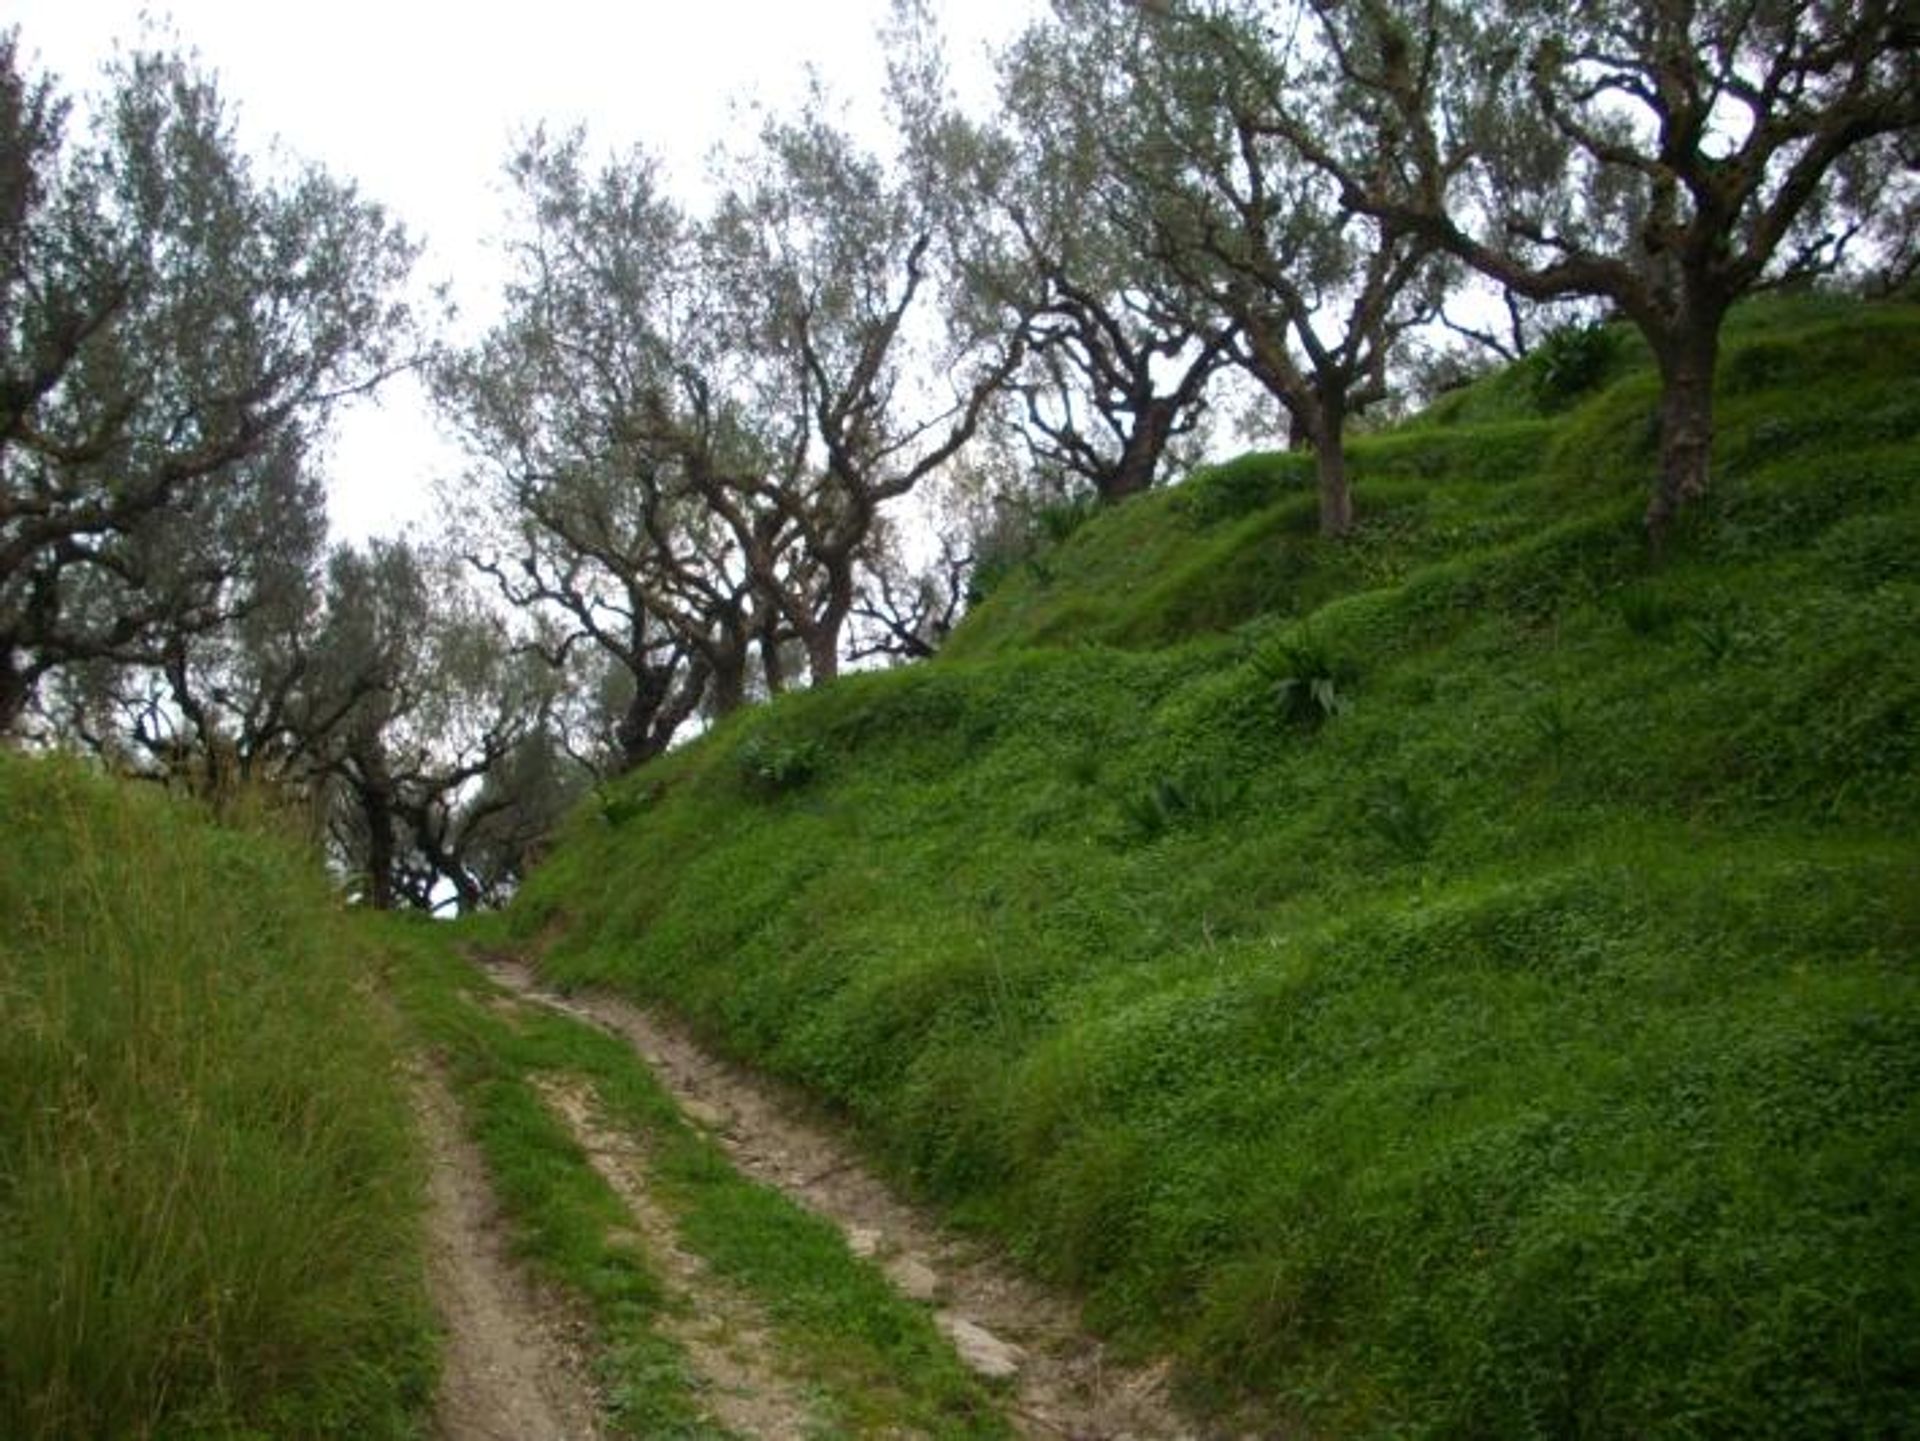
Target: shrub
(1170,803)
(1647,612)
(1023,531)
(1572,361)
(1310,683)
(619,806)
(1059,520)
(1716,637)
(1551,721)
(775,767)
(1083,766)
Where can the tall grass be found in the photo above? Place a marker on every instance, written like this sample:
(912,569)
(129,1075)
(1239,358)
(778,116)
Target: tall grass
(208,1192)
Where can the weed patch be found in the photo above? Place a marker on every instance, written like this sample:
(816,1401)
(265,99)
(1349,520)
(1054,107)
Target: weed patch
(1311,683)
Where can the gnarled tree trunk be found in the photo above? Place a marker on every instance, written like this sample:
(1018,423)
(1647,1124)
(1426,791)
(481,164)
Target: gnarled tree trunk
(382,848)
(16,685)
(1686,358)
(1140,458)
(1327,422)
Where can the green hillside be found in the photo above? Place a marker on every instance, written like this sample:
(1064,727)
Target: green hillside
(1459,980)
(209,1187)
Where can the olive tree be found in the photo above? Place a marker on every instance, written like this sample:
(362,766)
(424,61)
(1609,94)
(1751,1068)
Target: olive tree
(1117,359)
(212,694)
(615,471)
(685,430)
(179,321)
(435,750)
(1668,156)
(833,267)
(1314,291)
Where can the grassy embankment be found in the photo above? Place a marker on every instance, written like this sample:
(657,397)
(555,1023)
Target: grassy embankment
(209,1213)
(1459,980)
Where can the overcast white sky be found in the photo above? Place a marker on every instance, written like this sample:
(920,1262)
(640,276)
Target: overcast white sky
(417,100)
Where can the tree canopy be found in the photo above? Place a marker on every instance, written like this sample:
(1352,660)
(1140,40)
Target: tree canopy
(178,325)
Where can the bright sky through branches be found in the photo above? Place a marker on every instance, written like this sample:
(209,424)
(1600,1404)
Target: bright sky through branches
(418,103)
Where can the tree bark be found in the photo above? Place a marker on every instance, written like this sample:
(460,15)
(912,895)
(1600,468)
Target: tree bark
(823,652)
(773,666)
(468,898)
(1687,359)
(1140,458)
(822,636)
(1299,430)
(729,691)
(380,850)
(635,733)
(1328,421)
(15,686)
(1336,497)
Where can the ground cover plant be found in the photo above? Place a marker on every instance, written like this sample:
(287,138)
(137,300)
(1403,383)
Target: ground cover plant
(209,1193)
(1516,1033)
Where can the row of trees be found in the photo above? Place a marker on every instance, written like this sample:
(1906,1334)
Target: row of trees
(684,432)
(1297,186)
(690,431)
(177,326)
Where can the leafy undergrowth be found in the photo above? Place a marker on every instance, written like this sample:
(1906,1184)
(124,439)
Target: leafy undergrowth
(1458,981)
(209,1194)
(874,1363)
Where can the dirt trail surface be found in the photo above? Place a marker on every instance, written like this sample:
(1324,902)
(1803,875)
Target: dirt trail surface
(510,1369)
(722,1332)
(1001,1324)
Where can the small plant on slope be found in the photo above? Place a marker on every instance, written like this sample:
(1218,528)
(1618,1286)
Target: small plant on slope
(1405,816)
(1169,803)
(775,767)
(1648,613)
(1572,361)
(1309,681)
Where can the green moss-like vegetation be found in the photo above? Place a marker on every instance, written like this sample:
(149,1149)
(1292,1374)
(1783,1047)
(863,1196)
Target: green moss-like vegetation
(209,1197)
(1457,981)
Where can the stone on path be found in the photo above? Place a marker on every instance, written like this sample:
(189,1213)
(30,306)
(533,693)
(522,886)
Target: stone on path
(980,1350)
(912,1279)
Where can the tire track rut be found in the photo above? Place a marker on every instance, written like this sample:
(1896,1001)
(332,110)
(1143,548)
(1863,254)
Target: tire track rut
(1064,1382)
(512,1366)
(723,1334)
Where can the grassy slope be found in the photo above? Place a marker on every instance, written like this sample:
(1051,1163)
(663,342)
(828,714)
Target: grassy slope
(1531,1047)
(208,1194)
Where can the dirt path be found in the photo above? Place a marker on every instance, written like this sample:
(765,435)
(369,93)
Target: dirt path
(723,1334)
(511,1368)
(1000,1323)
